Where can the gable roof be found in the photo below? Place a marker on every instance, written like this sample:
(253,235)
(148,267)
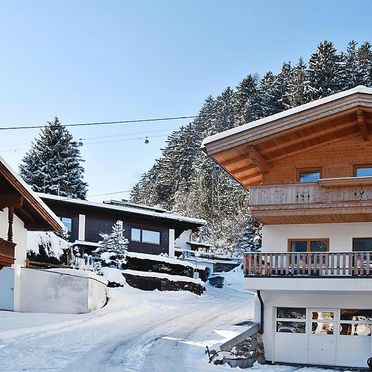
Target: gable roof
(35,214)
(246,151)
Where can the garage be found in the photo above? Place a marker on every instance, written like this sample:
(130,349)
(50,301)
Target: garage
(322,336)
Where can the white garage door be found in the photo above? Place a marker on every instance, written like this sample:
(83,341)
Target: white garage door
(318,336)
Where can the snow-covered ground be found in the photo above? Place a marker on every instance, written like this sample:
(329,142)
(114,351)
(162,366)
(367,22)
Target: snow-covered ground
(136,331)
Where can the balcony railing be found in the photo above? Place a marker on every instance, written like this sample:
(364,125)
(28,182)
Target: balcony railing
(315,264)
(303,194)
(7,250)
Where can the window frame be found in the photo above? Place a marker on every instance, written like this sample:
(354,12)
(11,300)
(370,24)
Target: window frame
(308,170)
(359,238)
(72,223)
(141,235)
(308,243)
(357,166)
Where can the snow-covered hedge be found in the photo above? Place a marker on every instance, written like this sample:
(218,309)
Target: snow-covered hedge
(159,264)
(150,281)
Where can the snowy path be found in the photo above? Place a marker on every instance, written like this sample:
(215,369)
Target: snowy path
(124,335)
(136,331)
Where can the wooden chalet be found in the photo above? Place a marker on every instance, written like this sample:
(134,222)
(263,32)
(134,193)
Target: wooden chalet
(309,175)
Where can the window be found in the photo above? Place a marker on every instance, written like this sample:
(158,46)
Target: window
(135,235)
(355,322)
(291,320)
(362,244)
(363,171)
(67,221)
(145,236)
(308,175)
(308,245)
(152,237)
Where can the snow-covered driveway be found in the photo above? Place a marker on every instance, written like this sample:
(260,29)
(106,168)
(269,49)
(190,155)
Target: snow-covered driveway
(136,331)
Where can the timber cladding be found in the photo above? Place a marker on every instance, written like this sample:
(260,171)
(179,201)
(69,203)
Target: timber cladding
(334,160)
(100,220)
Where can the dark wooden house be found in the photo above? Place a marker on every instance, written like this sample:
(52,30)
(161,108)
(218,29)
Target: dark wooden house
(148,230)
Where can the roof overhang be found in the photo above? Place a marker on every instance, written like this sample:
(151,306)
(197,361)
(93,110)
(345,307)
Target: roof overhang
(247,152)
(27,205)
(175,221)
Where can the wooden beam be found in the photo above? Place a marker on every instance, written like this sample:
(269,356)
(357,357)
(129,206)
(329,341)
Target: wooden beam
(258,160)
(362,125)
(232,160)
(251,176)
(10,200)
(244,169)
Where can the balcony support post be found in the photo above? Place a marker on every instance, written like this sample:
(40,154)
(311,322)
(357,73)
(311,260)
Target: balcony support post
(10,223)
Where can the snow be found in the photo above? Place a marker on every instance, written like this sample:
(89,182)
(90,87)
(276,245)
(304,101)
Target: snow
(34,238)
(173,278)
(283,114)
(113,275)
(152,257)
(136,331)
(128,209)
(79,273)
(106,256)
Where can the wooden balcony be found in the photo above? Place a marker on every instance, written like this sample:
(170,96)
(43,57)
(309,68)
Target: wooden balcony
(316,264)
(329,200)
(7,250)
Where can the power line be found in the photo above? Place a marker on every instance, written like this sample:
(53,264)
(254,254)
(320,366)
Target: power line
(110,193)
(103,122)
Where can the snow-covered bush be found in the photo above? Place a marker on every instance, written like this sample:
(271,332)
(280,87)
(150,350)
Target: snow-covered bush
(112,248)
(48,247)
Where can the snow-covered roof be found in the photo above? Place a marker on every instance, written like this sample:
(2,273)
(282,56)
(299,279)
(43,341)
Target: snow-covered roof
(36,201)
(127,209)
(134,205)
(286,113)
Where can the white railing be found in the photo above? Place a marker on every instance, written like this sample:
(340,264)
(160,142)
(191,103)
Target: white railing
(308,264)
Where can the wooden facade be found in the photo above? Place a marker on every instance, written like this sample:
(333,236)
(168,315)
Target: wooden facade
(331,136)
(99,218)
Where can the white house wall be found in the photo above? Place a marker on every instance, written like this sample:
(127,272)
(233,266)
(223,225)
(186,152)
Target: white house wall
(19,236)
(275,237)
(181,241)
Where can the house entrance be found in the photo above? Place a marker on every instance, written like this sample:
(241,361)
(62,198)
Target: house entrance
(322,326)
(7,288)
(323,336)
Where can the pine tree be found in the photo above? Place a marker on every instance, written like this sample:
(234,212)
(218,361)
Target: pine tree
(351,75)
(112,248)
(364,64)
(53,164)
(248,101)
(299,88)
(324,70)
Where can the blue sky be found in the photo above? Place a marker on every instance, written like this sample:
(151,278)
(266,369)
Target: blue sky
(110,60)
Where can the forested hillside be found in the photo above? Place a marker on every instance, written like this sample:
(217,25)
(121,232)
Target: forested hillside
(185,180)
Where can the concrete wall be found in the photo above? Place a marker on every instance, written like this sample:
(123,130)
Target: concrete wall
(47,291)
(275,237)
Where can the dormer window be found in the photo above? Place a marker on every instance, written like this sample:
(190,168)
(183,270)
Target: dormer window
(308,175)
(363,170)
